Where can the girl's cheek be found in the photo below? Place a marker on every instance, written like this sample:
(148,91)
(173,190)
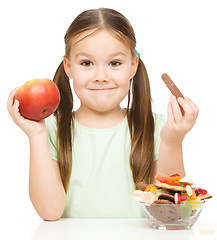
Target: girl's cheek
(123,79)
(81,76)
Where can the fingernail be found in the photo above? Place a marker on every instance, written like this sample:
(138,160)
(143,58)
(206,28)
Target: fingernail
(180,99)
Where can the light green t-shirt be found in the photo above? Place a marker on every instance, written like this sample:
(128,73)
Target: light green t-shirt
(101,183)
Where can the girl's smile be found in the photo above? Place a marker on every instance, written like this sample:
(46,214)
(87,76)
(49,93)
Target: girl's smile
(102,89)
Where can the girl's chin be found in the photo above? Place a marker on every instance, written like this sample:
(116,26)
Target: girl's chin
(101,107)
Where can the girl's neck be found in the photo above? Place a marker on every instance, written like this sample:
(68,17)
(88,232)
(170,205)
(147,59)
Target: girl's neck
(94,119)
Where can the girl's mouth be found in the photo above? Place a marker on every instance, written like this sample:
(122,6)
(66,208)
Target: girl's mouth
(102,89)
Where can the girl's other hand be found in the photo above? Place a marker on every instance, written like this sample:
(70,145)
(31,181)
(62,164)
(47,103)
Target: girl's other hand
(179,121)
(31,128)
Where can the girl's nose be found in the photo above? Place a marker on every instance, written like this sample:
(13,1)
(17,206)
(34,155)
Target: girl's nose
(100,75)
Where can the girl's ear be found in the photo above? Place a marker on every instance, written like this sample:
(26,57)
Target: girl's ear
(134,66)
(67,67)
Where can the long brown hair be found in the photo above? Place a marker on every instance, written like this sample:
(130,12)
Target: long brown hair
(139,111)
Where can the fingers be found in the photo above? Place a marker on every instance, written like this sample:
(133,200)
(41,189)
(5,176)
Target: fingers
(10,101)
(170,117)
(193,105)
(13,106)
(181,117)
(177,114)
(190,109)
(182,109)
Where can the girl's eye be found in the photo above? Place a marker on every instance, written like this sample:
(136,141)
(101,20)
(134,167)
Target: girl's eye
(114,64)
(87,64)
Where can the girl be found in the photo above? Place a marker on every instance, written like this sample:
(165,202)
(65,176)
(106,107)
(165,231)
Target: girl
(86,163)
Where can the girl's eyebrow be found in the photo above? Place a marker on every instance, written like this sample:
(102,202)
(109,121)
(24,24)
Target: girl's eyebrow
(82,54)
(89,55)
(118,53)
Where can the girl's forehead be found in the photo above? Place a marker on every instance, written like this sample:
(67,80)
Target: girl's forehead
(96,39)
(82,36)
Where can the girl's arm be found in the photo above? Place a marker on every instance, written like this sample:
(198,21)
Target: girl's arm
(179,123)
(45,186)
(46,190)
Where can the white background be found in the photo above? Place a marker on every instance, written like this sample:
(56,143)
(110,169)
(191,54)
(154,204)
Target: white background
(176,37)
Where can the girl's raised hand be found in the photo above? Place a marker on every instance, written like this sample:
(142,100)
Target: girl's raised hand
(179,121)
(31,128)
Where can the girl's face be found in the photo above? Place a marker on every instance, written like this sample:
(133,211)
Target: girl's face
(101,67)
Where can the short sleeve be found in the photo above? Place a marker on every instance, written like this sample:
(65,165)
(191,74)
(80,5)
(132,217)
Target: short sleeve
(52,134)
(159,121)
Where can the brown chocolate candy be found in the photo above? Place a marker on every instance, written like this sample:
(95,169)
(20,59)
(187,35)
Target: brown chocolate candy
(171,85)
(168,197)
(141,186)
(162,201)
(164,211)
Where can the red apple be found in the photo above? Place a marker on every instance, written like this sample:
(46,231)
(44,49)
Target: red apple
(38,98)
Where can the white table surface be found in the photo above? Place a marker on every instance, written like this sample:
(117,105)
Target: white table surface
(103,229)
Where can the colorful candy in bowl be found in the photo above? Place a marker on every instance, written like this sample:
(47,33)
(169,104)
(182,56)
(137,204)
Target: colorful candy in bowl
(172,202)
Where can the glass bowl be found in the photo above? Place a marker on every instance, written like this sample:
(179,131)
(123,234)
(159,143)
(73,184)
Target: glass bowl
(172,216)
